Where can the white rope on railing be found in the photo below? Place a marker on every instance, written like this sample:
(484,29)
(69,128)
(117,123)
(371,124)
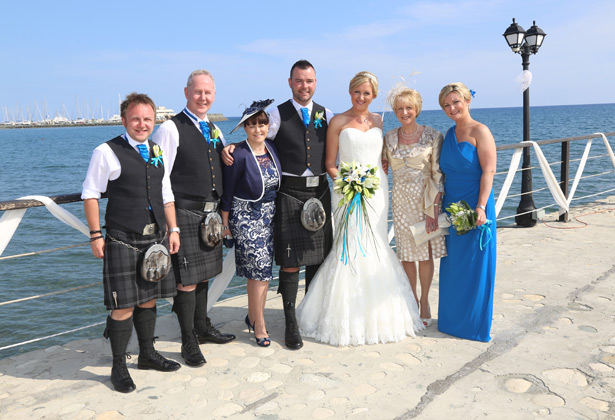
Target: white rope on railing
(29,254)
(12,218)
(552,183)
(57,292)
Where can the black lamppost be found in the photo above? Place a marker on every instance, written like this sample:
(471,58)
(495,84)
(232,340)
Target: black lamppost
(525,43)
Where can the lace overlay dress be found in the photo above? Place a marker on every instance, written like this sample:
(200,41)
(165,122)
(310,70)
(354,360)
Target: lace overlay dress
(417,179)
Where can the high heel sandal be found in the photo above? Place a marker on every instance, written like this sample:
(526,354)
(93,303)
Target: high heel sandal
(263,342)
(250,326)
(427,321)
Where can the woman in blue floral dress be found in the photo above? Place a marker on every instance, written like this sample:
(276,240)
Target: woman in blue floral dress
(248,206)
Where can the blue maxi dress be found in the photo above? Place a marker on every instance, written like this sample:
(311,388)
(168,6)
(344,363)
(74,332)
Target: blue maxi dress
(467,274)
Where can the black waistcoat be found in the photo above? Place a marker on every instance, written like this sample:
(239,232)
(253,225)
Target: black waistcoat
(198,166)
(138,187)
(301,147)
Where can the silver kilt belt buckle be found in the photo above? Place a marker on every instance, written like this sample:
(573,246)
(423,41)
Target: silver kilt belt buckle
(312,181)
(149,229)
(210,206)
(313,216)
(211,230)
(156,263)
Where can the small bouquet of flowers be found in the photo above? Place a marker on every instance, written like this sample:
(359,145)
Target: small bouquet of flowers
(462,217)
(355,183)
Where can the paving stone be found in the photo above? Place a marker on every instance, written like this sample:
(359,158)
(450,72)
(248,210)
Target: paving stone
(567,376)
(518,385)
(595,404)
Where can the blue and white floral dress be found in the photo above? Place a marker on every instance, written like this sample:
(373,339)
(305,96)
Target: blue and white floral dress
(251,225)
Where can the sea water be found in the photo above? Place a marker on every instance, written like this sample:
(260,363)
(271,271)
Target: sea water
(53,161)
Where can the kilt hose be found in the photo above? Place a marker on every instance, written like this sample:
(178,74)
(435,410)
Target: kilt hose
(295,246)
(195,261)
(123,284)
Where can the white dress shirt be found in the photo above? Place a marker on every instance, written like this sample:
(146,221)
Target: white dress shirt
(274,125)
(167,137)
(105,166)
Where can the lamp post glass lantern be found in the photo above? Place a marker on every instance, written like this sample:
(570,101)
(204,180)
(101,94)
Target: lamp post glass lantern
(525,43)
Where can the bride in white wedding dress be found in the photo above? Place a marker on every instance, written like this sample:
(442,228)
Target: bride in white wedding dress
(367,299)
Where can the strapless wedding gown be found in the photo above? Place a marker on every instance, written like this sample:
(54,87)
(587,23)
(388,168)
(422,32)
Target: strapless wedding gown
(368,299)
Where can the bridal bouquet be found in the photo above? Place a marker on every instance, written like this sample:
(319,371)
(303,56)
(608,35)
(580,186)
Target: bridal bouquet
(355,183)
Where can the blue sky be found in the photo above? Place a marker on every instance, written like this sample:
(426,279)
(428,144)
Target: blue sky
(68,52)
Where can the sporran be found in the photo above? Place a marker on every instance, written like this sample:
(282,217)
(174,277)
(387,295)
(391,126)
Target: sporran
(313,216)
(156,263)
(211,230)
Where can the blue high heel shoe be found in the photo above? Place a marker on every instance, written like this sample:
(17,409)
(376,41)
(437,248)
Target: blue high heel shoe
(263,342)
(250,326)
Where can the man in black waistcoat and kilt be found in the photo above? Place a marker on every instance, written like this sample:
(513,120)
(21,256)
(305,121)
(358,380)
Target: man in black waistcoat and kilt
(193,145)
(140,213)
(299,129)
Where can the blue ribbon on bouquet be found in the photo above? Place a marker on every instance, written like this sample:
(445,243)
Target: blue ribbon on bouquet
(356,201)
(485,230)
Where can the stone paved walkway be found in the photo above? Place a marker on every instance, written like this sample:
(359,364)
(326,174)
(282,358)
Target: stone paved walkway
(552,354)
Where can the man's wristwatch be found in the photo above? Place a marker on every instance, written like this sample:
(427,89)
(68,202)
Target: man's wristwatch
(175,229)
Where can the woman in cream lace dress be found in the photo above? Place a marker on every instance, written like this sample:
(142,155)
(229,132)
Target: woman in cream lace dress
(413,152)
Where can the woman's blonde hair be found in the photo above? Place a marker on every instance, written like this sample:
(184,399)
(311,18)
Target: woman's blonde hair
(457,87)
(405,94)
(362,77)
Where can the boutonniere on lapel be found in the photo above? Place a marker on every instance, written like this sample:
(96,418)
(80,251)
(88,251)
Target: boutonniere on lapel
(318,118)
(157,159)
(215,136)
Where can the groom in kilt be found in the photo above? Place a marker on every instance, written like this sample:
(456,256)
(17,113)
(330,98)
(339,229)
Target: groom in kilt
(193,145)
(140,213)
(299,129)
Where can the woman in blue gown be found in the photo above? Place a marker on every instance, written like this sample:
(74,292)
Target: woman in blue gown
(467,274)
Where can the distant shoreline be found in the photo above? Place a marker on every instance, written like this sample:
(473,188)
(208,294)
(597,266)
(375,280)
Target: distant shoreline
(212,117)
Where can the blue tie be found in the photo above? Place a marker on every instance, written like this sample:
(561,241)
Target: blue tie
(306,116)
(205,130)
(143,150)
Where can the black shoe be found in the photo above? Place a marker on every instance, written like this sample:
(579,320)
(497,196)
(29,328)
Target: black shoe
(191,352)
(120,378)
(292,337)
(213,335)
(155,360)
(288,285)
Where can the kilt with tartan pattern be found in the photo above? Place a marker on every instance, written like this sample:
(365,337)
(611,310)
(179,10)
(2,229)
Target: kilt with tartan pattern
(123,284)
(295,246)
(195,261)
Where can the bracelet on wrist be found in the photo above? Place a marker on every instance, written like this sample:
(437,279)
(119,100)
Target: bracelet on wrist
(482,208)
(224,227)
(92,232)
(95,238)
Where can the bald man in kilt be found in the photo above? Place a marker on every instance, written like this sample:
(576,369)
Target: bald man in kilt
(140,213)
(299,129)
(193,145)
